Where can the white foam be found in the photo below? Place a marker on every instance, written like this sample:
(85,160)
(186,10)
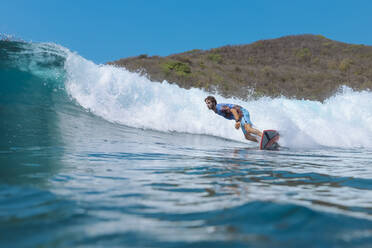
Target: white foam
(345,120)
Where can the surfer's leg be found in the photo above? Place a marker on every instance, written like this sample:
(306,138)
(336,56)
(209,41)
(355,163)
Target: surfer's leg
(250,129)
(250,137)
(247,124)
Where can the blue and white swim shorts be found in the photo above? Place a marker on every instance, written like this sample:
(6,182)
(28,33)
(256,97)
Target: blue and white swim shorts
(245,119)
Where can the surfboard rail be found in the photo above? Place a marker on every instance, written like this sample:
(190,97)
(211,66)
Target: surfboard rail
(269,140)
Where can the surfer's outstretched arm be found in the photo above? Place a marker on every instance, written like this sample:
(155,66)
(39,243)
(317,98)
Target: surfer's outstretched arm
(235,113)
(236,117)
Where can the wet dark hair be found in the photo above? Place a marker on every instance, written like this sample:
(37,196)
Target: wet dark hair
(212,99)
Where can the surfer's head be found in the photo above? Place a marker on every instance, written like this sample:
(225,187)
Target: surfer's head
(211,102)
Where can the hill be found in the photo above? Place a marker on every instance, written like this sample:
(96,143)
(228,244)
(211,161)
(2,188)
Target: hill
(301,66)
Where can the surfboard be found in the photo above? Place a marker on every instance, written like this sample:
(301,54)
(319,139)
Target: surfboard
(269,140)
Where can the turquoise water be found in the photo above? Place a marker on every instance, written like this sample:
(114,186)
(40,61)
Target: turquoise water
(95,156)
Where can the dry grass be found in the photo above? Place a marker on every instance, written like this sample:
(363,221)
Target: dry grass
(302,66)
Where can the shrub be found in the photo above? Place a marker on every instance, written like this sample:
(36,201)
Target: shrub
(345,65)
(251,60)
(179,68)
(303,54)
(267,70)
(184,59)
(194,51)
(237,69)
(202,65)
(321,36)
(215,57)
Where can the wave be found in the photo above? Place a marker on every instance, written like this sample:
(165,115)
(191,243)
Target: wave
(50,75)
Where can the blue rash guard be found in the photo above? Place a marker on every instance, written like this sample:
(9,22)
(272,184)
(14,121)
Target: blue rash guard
(224,110)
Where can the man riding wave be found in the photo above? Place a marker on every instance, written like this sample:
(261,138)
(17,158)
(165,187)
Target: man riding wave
(237,113)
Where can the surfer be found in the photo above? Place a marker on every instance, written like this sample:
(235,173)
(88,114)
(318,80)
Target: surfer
(237,113)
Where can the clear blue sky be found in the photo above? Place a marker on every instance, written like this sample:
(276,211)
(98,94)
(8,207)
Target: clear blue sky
(103,31)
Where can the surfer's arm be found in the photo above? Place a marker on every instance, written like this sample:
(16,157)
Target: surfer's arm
(236,117)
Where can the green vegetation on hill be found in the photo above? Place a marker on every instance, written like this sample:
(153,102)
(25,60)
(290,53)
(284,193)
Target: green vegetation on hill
(302,66)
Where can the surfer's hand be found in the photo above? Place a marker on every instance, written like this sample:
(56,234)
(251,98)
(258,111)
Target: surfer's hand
(237,124)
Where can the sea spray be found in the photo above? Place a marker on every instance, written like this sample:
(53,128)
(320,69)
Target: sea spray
(130,99)
(120,96)
(344,120)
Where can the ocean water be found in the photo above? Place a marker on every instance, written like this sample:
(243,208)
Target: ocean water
(96,156)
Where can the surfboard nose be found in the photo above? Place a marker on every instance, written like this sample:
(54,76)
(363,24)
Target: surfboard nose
(269,140)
